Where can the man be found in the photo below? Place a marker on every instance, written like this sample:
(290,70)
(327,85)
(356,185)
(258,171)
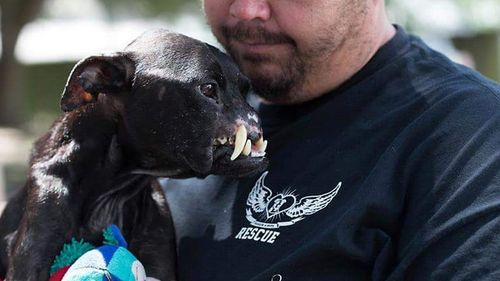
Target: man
(384,159)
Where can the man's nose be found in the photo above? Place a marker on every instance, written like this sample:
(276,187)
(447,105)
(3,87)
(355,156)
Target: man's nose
(248,10)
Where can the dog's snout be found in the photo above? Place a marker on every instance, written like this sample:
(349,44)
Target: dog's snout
(253,129)
(254,135)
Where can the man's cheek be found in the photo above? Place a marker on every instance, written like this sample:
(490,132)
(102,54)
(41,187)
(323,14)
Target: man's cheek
(216,12)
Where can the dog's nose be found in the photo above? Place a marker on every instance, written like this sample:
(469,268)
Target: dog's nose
(254,135)
(252,126)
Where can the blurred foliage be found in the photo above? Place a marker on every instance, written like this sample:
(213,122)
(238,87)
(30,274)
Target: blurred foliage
(149,8)
(463,15)
(15,177)
(44,84)
(474,13)
(15,14)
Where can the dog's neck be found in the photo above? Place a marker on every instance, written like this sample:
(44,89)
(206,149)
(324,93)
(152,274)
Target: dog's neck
(80,153)
(80,162)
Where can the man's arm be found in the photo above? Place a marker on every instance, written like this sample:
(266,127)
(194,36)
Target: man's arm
(451,226)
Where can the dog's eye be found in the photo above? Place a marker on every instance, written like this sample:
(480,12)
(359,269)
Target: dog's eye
(209,90)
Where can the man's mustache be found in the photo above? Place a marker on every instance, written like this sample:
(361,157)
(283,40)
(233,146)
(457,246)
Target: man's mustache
(244,32)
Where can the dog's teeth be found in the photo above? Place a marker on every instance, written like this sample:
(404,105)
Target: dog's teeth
(264,146)
(222,140)
(239,142)
(257,154)
(248,148)
(261,145)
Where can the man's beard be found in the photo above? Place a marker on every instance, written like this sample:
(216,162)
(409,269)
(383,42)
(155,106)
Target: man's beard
(279,85)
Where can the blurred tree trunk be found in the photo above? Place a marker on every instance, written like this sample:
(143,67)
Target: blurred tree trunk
(14,15)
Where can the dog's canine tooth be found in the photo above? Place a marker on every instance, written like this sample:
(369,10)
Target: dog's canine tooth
(239,142)
(248,148)
(261,144)
(264,146)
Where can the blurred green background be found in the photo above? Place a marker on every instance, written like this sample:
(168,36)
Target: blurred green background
(42,39)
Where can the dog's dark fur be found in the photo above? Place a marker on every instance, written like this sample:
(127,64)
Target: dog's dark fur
(128,117)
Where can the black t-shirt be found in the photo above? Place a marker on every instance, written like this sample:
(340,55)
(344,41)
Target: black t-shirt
(395,175)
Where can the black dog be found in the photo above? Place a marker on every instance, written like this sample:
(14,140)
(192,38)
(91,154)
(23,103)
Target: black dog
(167,106)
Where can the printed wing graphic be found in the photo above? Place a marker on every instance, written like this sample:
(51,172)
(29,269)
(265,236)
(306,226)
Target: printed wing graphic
(309,205)
(259,196)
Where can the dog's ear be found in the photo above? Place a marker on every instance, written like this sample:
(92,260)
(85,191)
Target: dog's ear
(106,74)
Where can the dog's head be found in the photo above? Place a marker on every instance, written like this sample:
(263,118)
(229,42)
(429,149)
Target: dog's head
(179,106)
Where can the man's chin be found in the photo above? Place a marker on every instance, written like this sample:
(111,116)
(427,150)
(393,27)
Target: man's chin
(262,70)
(272,90)
(272,80)
(260,49)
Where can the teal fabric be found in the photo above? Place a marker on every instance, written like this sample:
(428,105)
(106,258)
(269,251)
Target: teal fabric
(116,263)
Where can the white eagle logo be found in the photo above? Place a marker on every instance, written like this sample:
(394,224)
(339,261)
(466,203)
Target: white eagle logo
(261,200)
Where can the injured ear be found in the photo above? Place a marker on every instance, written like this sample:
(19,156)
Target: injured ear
(110,74)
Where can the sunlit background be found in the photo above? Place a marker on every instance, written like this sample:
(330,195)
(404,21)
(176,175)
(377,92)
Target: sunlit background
(42,39)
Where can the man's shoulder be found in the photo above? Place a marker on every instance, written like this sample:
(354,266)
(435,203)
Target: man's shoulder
(430,63)
(431,75)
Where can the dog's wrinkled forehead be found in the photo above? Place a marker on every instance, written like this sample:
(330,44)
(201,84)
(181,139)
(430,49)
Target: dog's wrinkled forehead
(171,55)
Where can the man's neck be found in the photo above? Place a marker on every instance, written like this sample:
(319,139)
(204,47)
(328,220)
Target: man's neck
(349,58)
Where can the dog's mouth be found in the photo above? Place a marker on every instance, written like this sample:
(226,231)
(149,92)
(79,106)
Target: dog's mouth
(241,144)
(235,152)
(240,154)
